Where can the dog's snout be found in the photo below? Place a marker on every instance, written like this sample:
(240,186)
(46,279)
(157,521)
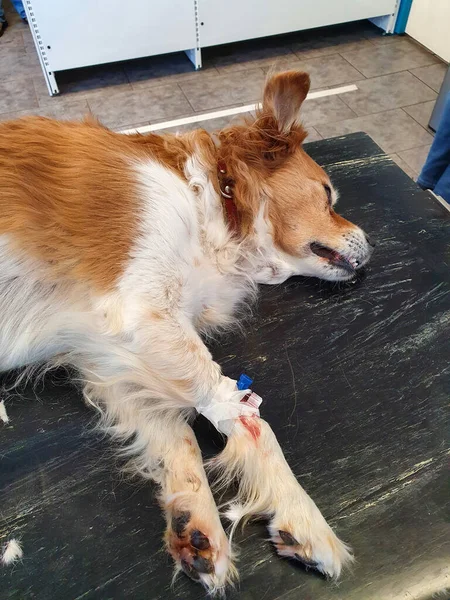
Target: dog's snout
(370,240)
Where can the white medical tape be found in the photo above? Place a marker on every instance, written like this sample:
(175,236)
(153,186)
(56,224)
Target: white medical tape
(228,404)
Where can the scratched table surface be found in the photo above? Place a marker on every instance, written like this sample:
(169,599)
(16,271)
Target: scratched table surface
(355,381)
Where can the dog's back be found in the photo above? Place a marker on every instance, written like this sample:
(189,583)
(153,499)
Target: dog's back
(65,197)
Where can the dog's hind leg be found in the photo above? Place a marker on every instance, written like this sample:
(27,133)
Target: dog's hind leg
(268,488)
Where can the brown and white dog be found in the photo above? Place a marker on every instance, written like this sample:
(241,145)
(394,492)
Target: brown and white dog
(118,252)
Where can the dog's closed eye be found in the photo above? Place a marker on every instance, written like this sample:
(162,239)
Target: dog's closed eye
(328,191)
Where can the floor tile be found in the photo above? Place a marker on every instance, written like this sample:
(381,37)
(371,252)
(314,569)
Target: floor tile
(16,63)
(389,58)
(16,94)
(327,48)
(129,126)
(12,38)
(421,112)
(432,75)
(380,37)
(247,55)
(386,92)
(325,110)
(74,110)
(313,135)
(118,108)
(10,116)
(330,40)
(91,78)
(374,33)
(216,92)
(404,166)
(26,35)
(47,102)
(160,70)
(45,99)
(415,157)
(82,83)
(324,71)
(392,130)
(323,37)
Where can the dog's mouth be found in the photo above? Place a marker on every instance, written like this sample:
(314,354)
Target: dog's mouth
(335,258)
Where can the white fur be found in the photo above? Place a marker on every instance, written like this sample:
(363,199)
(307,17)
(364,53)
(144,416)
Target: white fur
(12,552)
(144,365)
(3,414)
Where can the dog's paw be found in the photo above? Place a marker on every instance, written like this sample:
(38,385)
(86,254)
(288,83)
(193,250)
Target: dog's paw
(304,535)
(200,551)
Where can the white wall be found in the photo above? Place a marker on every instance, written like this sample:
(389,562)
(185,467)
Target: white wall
(429,24)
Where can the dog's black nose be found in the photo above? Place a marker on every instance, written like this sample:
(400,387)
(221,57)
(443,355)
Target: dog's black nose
(370,240)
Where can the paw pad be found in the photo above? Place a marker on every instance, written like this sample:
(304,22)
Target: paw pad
(190,546)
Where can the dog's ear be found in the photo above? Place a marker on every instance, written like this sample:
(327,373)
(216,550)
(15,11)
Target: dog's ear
(284,94)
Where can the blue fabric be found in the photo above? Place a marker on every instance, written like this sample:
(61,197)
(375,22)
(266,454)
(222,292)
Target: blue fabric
(435,174)
(2,13)
(20,9)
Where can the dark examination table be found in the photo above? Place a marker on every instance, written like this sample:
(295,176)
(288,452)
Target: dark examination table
(356,383)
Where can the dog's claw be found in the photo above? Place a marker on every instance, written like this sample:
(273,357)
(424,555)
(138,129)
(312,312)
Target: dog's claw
(189,570)
(287,538)
(307,563)
(203,565)
(320,549)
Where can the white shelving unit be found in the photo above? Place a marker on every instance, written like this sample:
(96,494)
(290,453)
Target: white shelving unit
(68,35)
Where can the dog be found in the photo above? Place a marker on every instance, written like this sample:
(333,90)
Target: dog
(119,253)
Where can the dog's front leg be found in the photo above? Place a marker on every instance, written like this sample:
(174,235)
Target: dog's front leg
(252,455)
(163,448)
(146,382)
(194,536)
(268,488)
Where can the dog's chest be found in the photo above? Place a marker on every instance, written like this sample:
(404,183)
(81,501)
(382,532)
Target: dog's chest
(210,296)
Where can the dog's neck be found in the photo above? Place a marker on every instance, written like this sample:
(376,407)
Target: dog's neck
(226,187)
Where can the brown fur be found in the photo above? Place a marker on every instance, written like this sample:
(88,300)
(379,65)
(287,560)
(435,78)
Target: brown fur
(68,194)
(259,147)
(298,206)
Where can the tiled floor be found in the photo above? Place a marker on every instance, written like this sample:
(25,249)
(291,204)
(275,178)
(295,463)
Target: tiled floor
(397,82)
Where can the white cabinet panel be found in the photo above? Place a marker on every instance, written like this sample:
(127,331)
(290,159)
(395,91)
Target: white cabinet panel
(429,24)
(89,32)
(231,20)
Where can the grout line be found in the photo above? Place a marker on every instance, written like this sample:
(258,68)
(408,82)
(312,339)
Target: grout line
(411,148)
(185,96)
(297,53)
(353,66)
(427,128)
(421,81)
(402,108)
(349,107)
(392,108)
(233,111)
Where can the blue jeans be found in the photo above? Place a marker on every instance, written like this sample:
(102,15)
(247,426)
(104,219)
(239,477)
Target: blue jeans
(435,173)
(18,6)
